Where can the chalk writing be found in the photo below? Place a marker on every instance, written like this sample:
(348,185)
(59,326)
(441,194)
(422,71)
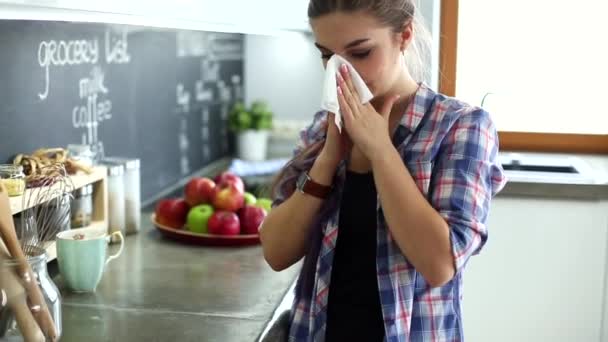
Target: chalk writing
(117,48)
(202,94)
(183,109)
(94,111)
(183,98)
(61,53)
(75,52)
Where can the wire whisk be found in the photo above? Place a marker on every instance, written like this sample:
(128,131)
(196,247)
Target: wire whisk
(48,201)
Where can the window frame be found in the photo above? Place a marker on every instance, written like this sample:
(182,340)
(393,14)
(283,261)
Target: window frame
(509,141)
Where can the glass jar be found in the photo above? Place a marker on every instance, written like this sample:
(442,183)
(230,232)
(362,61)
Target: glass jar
(82,153)
(13,178)
(132,185)
(82,207)
(116,199)
(9,330)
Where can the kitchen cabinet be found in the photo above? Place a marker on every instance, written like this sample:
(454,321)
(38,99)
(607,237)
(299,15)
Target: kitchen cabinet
(269,16)
(541,275)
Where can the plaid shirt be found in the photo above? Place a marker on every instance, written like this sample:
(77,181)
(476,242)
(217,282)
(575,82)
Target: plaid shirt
(450,150)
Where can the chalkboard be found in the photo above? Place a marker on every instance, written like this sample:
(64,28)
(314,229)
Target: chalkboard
(160,95)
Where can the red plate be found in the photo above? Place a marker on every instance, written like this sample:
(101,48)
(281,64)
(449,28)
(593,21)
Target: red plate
(205,239)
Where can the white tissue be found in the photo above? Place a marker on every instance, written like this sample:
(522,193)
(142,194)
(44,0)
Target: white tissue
(329,100)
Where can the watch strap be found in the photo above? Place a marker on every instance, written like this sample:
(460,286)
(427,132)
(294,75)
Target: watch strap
(310,187)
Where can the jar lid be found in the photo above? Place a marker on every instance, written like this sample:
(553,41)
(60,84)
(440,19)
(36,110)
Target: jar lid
(11,169)
(129,163)
(132,164)
(84,191)
(79,148)
(116,170)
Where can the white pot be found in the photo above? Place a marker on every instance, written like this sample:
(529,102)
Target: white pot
(251,145)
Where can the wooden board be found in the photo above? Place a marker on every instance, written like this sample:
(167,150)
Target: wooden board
(51,251)
(80,180)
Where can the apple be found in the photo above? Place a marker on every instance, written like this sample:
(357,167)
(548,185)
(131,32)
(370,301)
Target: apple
(224,223)
(226,177)
(249,198)
(172,212)
(265,203)
(251,218)
(198,218)
(199,190)
(229,198)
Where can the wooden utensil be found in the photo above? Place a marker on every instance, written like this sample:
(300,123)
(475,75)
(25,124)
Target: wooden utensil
(9,236)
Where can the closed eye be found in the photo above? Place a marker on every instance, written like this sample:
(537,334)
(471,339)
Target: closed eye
(361,55)
(356,55)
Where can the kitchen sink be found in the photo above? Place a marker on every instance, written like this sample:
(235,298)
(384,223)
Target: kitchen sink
(546,168)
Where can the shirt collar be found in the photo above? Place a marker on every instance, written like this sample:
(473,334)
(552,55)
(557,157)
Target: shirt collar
(417,108)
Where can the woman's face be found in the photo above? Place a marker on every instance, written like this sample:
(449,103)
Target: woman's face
(373,49)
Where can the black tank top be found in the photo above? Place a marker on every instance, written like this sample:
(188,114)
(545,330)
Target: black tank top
(354,311)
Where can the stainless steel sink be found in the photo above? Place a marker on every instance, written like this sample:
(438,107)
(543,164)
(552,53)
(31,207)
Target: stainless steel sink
(547,168)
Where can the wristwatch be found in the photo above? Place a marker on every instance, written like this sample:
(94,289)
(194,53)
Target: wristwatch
(306,185)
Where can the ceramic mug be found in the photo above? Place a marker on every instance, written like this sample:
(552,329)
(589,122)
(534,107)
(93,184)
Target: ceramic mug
(82,257)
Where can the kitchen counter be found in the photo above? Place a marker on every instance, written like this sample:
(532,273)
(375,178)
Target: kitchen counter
(160,290)
(588,181)
(555,175)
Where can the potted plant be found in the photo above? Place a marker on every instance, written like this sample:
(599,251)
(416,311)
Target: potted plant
(251,127)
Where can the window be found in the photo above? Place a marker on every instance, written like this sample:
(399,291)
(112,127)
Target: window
(538,67)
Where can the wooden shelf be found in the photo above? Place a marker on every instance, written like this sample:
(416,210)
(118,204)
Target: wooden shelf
(79,180)
(98,178)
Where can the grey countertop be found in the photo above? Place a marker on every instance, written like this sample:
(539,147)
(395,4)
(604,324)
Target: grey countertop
(160,290)
(564,176)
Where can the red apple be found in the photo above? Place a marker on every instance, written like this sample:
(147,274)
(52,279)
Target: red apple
(229,198)
(251,218)
(224,223)
(199,190)
(225,178)
(172,212)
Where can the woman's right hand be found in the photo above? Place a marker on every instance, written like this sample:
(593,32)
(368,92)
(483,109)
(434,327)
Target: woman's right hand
(337,145)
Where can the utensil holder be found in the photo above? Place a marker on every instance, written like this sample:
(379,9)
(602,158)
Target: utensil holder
(38,262)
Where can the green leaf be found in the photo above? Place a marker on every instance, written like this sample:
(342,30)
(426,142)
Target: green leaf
(258,116)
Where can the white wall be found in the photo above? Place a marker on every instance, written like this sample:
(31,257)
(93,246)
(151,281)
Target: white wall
(225,16)
(286,71)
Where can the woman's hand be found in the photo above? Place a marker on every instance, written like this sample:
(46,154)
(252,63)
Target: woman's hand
(368,129)
(337,145)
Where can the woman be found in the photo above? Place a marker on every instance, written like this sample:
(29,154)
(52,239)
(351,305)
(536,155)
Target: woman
(388,212)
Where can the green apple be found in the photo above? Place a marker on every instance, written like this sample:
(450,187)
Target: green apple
(198,217)
(265,203)
(250,198)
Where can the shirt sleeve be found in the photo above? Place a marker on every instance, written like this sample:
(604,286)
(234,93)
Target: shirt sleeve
(308,136)
(466,176)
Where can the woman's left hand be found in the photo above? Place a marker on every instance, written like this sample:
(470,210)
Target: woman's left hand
(368,129)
